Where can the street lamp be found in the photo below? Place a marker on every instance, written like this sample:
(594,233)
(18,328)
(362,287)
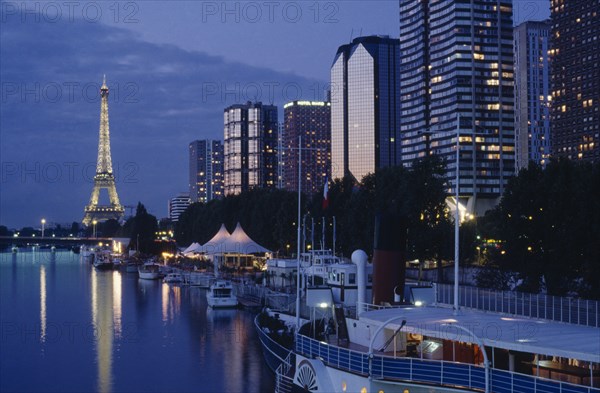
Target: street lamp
(94,230)
(486,363)
(43,224)
(456,213)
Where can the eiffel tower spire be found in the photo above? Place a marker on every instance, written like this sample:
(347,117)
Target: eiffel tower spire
(104,178)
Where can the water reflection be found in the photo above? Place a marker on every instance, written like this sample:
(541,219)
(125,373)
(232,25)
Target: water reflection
(106,320)
(227,326)
(66,324)
(42,303)
(171,302)
(117,306)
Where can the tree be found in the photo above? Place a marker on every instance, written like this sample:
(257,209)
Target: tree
(75,228)
(549,223)
(143,230)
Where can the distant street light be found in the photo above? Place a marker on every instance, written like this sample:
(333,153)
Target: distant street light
(94,231)
(43,224)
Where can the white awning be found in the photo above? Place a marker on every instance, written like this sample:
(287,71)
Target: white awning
(495,330)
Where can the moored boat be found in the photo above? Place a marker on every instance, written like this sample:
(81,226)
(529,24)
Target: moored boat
(220,294)
(173,278)
(102,262)
(149,271)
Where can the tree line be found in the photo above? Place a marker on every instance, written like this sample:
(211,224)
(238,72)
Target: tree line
(542,236)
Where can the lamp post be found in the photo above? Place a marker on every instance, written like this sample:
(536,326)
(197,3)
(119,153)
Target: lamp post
(486,363)
(94,228)
(457,217)
(456,213)
(43,225)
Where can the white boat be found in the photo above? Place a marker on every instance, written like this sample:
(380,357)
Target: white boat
(173,278)
(103,262)
(220,294)
(149,271)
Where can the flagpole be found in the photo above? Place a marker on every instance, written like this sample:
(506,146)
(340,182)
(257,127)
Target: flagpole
(323,233)
(312,233)
(333,235)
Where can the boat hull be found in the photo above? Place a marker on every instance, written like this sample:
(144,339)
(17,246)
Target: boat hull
(149,275)
(104,266)
(222,302)
(273,352)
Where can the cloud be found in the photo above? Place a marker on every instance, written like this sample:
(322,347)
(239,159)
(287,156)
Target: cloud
(162,97)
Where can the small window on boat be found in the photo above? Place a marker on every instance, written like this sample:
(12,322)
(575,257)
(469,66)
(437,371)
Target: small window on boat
(369,278)
(352,278)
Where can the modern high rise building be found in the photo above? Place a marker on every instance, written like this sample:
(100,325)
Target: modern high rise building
(457,82)
(575,62)
(250,147)
(312,121)
(177,205)
(365,107)
(532,93)
(206,170)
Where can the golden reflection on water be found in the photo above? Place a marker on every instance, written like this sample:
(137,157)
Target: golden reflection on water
(106,319)
(116,297)
(42,303)
(171,302)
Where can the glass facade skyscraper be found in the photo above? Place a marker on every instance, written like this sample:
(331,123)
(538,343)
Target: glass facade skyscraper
(365,107)
(250,147)
(575,77)
(532,93)
(206,170)
(456,78)
(312,121)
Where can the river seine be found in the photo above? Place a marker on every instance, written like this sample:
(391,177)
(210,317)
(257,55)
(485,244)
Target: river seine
(65,327)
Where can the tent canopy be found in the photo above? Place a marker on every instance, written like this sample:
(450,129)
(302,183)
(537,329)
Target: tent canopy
(238,242)
(213,244)
(192,248)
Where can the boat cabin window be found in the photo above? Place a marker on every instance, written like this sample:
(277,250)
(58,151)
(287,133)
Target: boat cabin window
(369,278)
(352,278)
(222,292)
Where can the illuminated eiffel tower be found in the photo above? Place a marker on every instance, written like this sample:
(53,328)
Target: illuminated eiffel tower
(104,174)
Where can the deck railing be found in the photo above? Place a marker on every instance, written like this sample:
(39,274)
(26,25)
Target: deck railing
(555,308)
(436,372)
(283,382)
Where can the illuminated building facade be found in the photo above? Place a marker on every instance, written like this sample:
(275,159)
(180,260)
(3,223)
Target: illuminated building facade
(575,77)
(312,121)
(177,205)
(250,147)
(456,77)
(206,170)
(532,93)
(365,105)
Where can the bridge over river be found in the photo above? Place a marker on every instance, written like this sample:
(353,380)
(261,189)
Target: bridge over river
(58,242)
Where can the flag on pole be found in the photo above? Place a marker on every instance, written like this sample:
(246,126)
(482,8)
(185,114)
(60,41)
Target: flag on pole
(326,194)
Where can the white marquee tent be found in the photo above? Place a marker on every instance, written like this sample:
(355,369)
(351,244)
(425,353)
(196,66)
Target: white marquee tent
(213,245)
(191,249)
(238,242)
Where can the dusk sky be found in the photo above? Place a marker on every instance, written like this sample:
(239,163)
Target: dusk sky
(171,66)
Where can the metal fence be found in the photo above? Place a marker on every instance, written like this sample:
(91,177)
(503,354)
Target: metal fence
(443,373)
(555,308)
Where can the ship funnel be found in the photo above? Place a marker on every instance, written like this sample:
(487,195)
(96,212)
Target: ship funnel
(359,258)
(388,257)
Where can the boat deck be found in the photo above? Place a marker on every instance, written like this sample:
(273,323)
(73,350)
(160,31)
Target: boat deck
(495,330)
